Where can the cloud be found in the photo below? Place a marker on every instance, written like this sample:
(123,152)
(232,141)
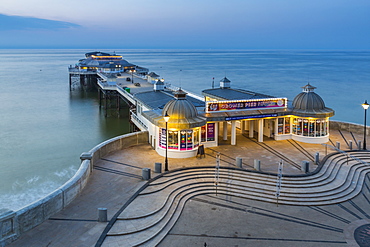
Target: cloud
(9,23)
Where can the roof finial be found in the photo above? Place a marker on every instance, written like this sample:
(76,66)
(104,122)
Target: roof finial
(180,77)
(225,83)
(308,88)
(180,94)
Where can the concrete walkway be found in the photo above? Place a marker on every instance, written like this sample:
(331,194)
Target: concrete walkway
(117,177)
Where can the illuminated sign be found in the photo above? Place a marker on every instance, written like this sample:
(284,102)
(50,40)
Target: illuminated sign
(106,57)
(248,117)
(237,105)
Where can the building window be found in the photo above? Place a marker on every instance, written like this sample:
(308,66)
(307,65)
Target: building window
(305,127)
(162,137)
(280,125)
(183,140)
(318,129)
(295,124)
(310,127)
(173,139)
(196,137)
(287,125)
(186,139)
(203,134)
(189,140)
(284,125)
(179,140)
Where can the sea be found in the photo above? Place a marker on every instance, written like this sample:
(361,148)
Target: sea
(44,126)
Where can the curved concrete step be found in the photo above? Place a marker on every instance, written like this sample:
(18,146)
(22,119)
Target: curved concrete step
(148,219)
(250,192)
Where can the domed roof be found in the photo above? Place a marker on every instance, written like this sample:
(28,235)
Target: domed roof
(182,112)
(308,100)
(310,104)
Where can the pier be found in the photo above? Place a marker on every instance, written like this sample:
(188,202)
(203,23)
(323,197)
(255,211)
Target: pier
(114,88)
(322,198)
(114,78)
(115,83)
(195,120)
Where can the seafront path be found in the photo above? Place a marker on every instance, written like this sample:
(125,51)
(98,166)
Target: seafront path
(210,219)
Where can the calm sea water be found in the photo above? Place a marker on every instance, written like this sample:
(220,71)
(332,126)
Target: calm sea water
(44,127)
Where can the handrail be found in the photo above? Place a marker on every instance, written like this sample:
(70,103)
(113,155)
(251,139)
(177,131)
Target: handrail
(345,153)
(125,93)
(134,115)
(174,88)
(105,85)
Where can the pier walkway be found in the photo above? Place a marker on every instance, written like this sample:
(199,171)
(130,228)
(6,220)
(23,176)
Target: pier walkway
(184,209)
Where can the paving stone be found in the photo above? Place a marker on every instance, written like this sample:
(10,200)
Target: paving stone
(113,189)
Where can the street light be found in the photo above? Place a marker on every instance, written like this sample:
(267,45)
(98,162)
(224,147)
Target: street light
(166,118)
(365,106)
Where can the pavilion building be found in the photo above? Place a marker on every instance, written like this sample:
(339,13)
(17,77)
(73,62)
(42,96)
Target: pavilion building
(193,122)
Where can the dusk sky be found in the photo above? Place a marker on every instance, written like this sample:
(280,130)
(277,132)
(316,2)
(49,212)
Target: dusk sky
(194,24)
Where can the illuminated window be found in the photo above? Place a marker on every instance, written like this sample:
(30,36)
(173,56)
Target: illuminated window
(295,123)
(203,134)
(189,139)
(287,125)
(173,139)
(179,140)
(299,128)
(280,125)
(310,127)
(196,137)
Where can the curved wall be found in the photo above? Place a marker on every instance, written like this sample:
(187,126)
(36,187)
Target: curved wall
(351,127)
(15,223)
(313,140)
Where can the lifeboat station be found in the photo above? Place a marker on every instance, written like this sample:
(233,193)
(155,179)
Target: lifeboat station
(179,122)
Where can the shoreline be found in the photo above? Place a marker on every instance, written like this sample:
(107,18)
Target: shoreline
(15,223)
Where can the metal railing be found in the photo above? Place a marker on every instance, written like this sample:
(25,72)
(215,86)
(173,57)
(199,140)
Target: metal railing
(174,88)
(137,119)
(126,94)
(345,153)
(106,86)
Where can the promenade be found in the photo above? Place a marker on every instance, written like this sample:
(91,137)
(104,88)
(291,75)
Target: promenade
(207,220)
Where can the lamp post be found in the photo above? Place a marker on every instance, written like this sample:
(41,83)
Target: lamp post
(365,106)
(166,118)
